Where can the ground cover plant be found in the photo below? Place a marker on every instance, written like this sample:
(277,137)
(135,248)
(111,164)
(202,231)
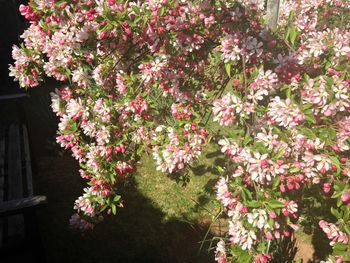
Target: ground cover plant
(148,77)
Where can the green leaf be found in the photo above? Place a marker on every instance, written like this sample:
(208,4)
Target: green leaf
(103,208)
(161,11)
(339,202)
(346,215)
(327,134)
(336,194)
(293,35)
(347,229)
(308,133)
(340,247)
(335,212)
(261,247)
(220,169)
(276,182)
(136,10)
(310,118)
(114,209)
(228,69)
(247,139)
(280,154)
(247,193)
(294,170)
(275,204)
(254,203)
(286,37)
(260,147)
(116,198)
(289,92)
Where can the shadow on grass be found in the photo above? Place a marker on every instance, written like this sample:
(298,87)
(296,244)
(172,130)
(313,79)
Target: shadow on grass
(207,195)
(317,206)
(213,154)
(321,245)
(199,170)
(137,234)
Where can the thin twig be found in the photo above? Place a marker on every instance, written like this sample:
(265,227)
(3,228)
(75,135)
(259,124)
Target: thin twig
(244,75)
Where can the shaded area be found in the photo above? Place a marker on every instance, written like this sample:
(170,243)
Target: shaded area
(136,234)
(286,250)
(12,25)
(142,231)
(27,246)
(317,206)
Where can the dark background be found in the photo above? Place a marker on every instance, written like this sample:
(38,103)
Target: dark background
(12,25)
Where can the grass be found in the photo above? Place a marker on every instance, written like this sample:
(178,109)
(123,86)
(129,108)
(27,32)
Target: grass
(181,200)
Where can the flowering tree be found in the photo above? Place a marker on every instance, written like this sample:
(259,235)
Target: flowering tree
(145,77)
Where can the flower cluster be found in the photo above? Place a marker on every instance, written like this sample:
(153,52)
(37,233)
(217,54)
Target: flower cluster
(179,150)
(333,233)
(294,135)
(142,77)
(226,109)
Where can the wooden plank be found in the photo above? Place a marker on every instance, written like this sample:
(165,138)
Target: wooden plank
(15,187)
(2,177)
(15,183)
(19,205)
(14,96)
(2,163)
(28,164)
(272,13)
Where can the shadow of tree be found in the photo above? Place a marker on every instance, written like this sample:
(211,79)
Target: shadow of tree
(285,251)
(213,154)
(207,195)
(137,234)
(220,162)
(321,245)
(199,170)
(317,206)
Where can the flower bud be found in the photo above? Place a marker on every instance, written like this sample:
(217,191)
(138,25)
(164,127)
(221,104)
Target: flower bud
(326,187)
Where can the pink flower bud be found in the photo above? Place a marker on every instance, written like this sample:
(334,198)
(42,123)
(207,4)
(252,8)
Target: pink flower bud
(336,148)
(326,187)
(263,163)
(285,212)
(227,194)
(272,214)
(23,8)
(277,235)
(345,197)
(282,188)
(279,162)
(343,160)
(339,259)
(322,224)
(269,235)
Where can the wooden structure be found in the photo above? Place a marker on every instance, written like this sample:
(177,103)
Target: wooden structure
(16,187)
(272,13)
